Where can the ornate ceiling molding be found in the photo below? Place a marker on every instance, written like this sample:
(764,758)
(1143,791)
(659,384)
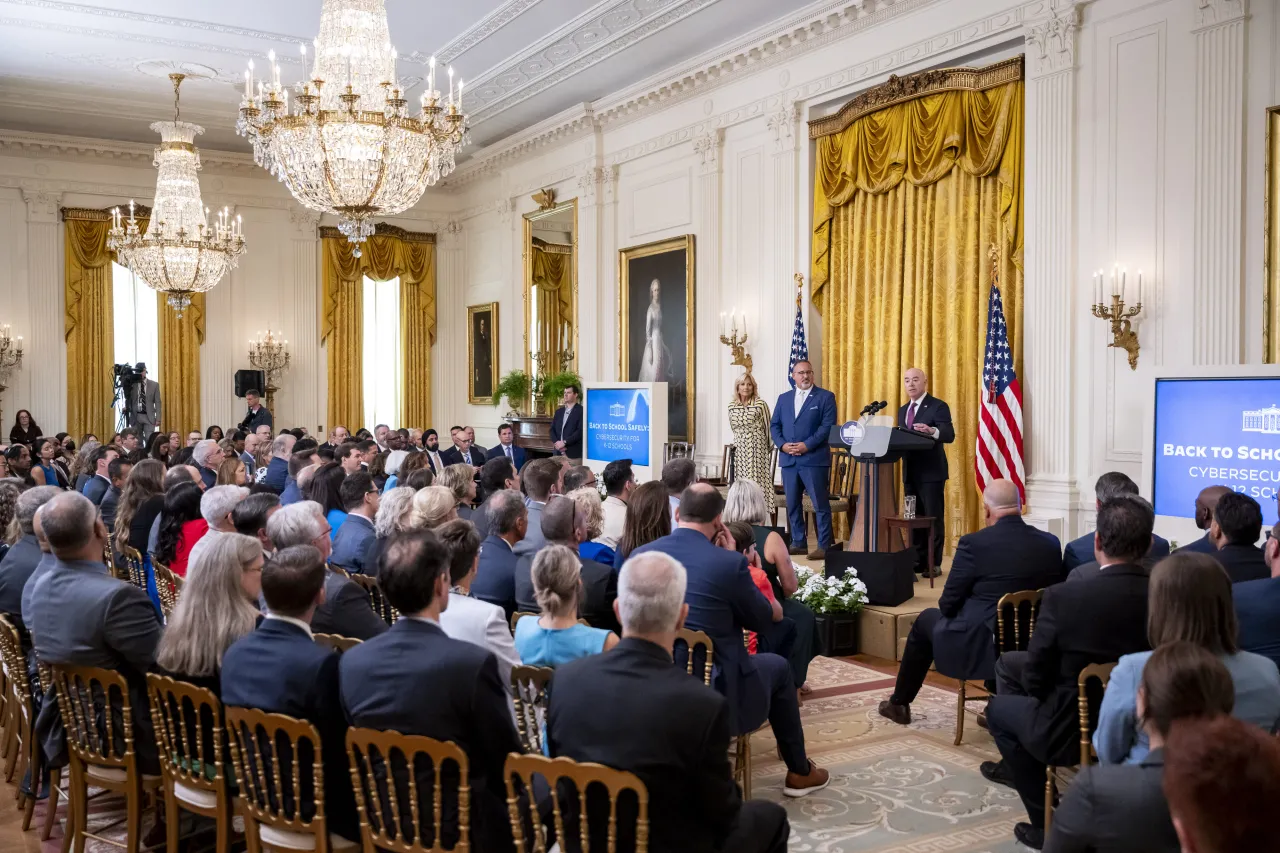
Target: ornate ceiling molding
(162,20)
(1052,41)
(1212,13)
(477,32)
(49,146)
(286,58)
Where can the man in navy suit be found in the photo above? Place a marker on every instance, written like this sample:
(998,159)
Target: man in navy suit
(925,472)
(1111,485)
(1206,502)
(417,680)
(801,428)
(507,447)
(723,602)
(279,669)
(96,488)
(566,425)
(1258,606)
(496,573)
(1008,555)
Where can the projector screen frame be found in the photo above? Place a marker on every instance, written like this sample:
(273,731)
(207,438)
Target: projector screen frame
(657,426)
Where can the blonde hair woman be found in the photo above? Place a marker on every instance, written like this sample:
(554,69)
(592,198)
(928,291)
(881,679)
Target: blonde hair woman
(752,447)
(589,504)
(432,507)
(556,636)
(461,480)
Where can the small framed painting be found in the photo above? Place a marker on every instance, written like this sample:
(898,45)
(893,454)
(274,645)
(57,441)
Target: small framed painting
(482,352)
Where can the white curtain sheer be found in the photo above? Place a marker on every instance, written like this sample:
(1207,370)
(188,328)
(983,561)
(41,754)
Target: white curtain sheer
(383,367)
(136,322)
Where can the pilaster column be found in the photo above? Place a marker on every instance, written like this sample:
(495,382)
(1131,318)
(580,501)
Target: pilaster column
(776,306)
(709,147)
(45,361)
(1218,211)
(449,399)
(1049,262)
(588,358)
(607,309)
(303,393)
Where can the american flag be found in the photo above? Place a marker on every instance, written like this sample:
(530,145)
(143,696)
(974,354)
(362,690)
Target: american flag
(999,447)
(799,349)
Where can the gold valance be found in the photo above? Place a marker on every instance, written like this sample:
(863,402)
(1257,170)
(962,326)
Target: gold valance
(382,229)
(89,214)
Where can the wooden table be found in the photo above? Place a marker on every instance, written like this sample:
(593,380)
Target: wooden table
(907,526)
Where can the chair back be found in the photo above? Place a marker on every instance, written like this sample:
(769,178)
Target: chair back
(843,476)
(529,689)
(269,752)
(189,733)
(340,570)
(377,600)
(1090,702)
(413,793)
(19,711)
(677,450)
(97,715)
(517,616)
(168,586)
(691,641)
(336,641)
(578,791)
(1016,614)
(729,464)
(137,573)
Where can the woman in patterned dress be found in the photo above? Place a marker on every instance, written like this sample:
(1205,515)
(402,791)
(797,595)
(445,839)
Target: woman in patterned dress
(753,448)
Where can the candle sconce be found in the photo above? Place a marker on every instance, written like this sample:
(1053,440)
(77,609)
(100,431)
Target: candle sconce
(1117,313)
(10,355)
(737,344)
(270,355)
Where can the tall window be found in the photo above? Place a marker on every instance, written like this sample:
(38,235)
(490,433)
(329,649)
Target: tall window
(383,366)
(136,322)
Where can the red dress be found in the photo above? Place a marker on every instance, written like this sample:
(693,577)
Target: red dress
(766,589)
(191,533)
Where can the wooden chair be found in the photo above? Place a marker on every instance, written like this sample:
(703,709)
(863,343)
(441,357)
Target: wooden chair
(168,586)
(517,616)
(728,462)
(1058,778)
(135,571)
(386,773)
(191,740)
(336,641)
(840,489)
(693,640)
(98,718)
(377,600)
(45,675)
(678,450)
(571,783)
(1009,638)
(529,689)
(21,750)
(265,749)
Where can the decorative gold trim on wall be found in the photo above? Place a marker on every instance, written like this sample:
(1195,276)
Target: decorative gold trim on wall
(1271,243)
(385,229)
(88,214)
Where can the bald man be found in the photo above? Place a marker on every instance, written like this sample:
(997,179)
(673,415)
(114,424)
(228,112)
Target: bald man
(1007,555)
(1206,502)
(924,472)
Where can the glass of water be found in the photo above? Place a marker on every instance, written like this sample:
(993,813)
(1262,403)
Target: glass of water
(909,506)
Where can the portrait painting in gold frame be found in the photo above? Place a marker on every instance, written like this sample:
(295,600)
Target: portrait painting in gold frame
(482,352)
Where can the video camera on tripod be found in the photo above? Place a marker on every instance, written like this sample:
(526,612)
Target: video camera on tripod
(126,377)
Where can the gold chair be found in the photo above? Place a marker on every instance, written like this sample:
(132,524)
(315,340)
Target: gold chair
(692,640)
(517,616)
(678,450)
(377,600)
(98,718)
(336,641)
(1058,778)
(570,783)
(19,719)
(742,743)
(529,689)
(1009,638)
(394,814)
(191,739)
(270,782)
(168,586)
(45,675)
(135,571)
(840,489)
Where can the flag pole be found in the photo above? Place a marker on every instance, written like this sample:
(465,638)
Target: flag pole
(799,290)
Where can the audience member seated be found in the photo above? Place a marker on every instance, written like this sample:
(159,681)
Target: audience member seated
(141,502)
(1206,501)
(1189,601)
(391,462)
(541,479)
(723,602)
(661,725)
(348,456)
(280,669)
(1008,555)
(556,636)
(460,480)
(326,490)
(432,507)
(783,637)
(82,616)
(677,475)
(251,515)
(430,458)
(395,515)
(345,608)
(175,476)
(181,527)
(360,500)
(1257,605)
(218,605)
(498,473)
(117,472)
(619,483)
(25,554)
(1034,718)
(495,574)
(277,475)
(298,462)
(82,467)
(232,472)
(1119,809)
(45,468)
(579,477)
(648,519)
(461,453)
(95,489)
(1222,780)
(506,447)
(207,456)
(1236,526)
(467,618)
(588,501)
(216,508)
(563,523)
(1110,485)
(46,564)
(416,680)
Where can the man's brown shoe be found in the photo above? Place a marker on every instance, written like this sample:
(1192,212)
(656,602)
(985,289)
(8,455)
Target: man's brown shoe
(796,785)
(900,714)
(817,554)
(796,550)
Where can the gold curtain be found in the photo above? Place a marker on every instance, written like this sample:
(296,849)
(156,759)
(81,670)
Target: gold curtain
(88,324)
(901,274)
(390,253)
(552,277)
(180,342)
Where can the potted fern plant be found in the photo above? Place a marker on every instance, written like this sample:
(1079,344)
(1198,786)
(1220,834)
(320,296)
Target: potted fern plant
(553,387)
(515,387)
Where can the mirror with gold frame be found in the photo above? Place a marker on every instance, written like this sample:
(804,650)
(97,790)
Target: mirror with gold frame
(551,286)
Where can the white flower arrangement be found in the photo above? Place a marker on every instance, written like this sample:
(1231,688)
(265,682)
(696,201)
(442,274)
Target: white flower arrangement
(824,596)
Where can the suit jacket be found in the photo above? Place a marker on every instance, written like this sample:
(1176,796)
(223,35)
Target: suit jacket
(517,454)
(277,474)
(599,589)
(279,669)
(107,506)
(1115,808)
(1080,551)
(812,427)
(95,489)
(485,625)
(1009,556)
(663,726)
(209,476)
(346,610)
(15,570)
(928,466)
(723,601)
(150,414)
(83,616)
(496,574)
(1257,611)
(533,540)
(1203,545)
(453,456)
(33,585)
(1243,562)
(431,461)
(350,543)
(1094,621)
(569,431)
(253,420)
(416,680)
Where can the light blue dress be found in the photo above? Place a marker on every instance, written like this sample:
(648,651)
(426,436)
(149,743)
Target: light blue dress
(1120,738)
(335,517)
(538,646)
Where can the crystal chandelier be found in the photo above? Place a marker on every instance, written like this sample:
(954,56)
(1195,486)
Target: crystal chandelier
(348,146)
(181,253)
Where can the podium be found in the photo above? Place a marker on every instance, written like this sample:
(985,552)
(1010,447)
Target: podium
(876,444)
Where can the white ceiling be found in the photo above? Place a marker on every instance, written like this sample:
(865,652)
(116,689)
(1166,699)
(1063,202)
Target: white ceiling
(98,68)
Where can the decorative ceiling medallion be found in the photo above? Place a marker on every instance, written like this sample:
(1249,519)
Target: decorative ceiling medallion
(191,70)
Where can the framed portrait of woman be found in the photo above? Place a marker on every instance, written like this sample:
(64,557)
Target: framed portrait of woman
(656,323)
(482,352)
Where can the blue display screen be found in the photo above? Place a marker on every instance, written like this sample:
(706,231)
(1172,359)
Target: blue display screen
(1216,432)
(618,424)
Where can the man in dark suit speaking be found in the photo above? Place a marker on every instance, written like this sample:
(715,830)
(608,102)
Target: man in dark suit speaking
(566,424)
(925,473)
(801,428)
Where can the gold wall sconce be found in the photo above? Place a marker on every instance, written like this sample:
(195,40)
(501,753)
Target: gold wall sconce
(1117,313)
(729,336)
